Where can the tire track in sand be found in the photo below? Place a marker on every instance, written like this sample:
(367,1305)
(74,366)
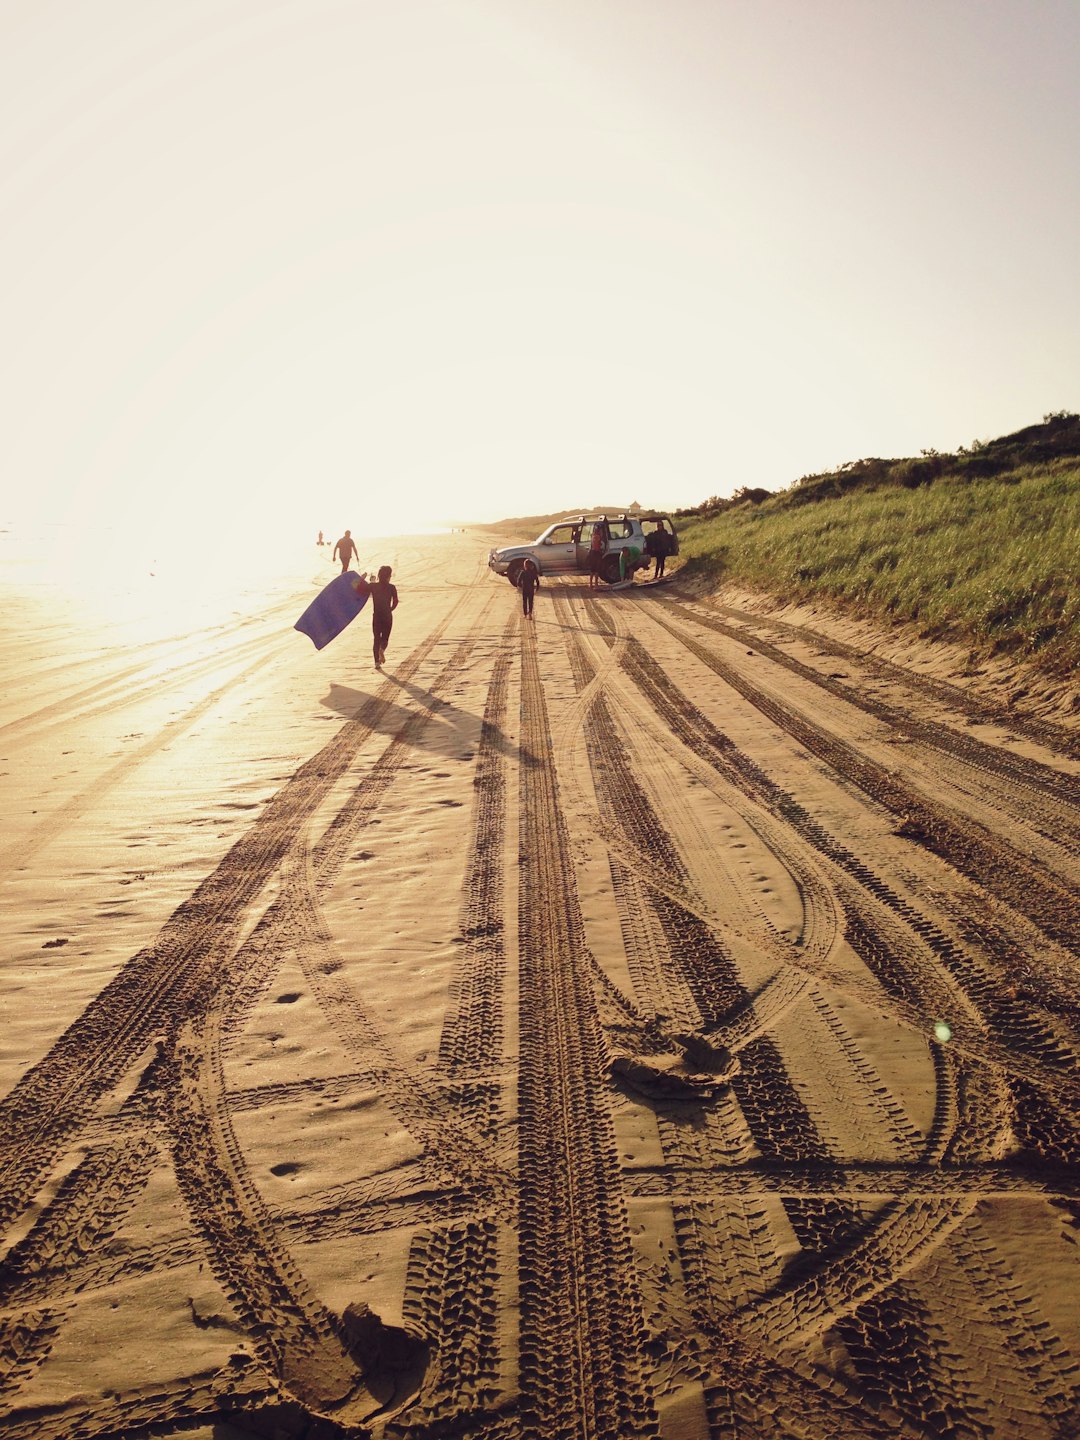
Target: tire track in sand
(923,972)
(865,1273)
(53,1099)
(976,708)
(175,989)
(451,1292)
(774,1114)
(1042,897)
(582,1367)
(71,810)
(733,1251)
(350,1366)
(1019,772)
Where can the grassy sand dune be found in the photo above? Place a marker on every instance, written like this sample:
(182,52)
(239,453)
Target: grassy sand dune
(981,547)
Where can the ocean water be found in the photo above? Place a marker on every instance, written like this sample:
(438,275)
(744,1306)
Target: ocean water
(139,586)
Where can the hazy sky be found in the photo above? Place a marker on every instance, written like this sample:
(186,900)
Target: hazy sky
(310,263)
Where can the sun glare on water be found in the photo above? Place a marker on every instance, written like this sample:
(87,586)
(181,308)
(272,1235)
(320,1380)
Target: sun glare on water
(143,580)
(143,583)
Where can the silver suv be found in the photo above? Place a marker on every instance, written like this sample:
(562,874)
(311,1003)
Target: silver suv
(563,548)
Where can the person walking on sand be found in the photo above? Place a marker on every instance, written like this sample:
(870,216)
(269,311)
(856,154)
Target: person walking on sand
(384,601)
(346,547)
(596,556)
(528,580)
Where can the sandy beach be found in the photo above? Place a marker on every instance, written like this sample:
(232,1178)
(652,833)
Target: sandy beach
(658,1018)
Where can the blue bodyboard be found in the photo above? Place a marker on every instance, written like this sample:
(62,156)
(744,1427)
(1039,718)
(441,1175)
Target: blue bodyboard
(333,608)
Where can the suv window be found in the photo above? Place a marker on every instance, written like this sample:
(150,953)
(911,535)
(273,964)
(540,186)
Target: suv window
(621,529)
(561,535)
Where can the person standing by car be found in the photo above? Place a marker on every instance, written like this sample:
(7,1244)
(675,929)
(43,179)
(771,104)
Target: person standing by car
(528,580)
(384,601)
(596,556)
(661,549)
(650,547)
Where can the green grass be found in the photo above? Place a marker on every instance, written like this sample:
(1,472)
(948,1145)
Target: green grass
(993,560)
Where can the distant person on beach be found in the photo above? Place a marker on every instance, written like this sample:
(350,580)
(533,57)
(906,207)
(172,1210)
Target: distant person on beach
(596,556)
(320,540)
(384,601)
(528,580)
(346,547)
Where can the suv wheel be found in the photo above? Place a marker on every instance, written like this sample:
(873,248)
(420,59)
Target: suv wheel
(609,569)
(513,572)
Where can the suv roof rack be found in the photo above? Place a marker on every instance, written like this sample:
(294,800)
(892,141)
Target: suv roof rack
(593,517)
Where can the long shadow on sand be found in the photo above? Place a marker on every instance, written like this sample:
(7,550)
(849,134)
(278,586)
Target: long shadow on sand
(451,731)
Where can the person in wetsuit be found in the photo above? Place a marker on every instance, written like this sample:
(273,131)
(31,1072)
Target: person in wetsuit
(346,548)
(527,583)
(384,601)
